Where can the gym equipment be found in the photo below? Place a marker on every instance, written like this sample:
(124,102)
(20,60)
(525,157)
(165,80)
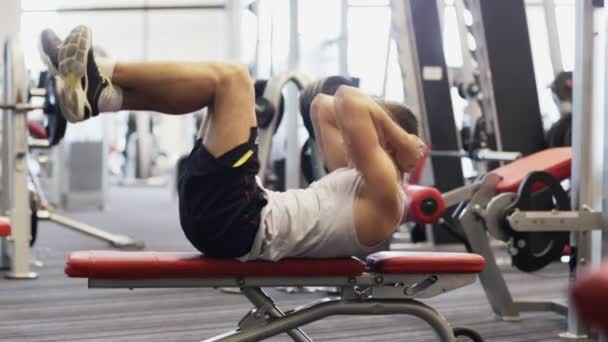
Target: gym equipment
(479,154)
(273,95)
(328,86)
(17,174)
(418,36)
(387,283)
(311,162)
(141,152)
(56,124)
(523,204)
(391,286)
(264,109)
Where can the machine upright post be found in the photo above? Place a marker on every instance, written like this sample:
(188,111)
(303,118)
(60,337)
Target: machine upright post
(14,167)
(20,211)
(586,152)
(292,165)
(553,36)
(5,195)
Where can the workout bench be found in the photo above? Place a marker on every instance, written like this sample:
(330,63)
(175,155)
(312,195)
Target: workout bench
(387,283)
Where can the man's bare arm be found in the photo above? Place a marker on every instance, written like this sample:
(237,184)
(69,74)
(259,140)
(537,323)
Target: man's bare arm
(363,127)
(327,133)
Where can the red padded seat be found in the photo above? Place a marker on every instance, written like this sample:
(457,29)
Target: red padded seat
(555,161)
(5,228)
(590,296)
(425,262)
(153,265)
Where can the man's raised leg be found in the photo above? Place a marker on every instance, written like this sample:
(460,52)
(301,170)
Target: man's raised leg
(174,88)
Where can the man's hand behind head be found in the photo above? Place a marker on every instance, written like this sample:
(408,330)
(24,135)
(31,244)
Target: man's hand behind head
(407,151)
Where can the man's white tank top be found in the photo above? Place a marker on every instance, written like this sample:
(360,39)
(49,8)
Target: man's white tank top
(316,222)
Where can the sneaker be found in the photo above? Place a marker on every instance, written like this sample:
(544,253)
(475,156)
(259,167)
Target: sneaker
(82,80)
(48,47)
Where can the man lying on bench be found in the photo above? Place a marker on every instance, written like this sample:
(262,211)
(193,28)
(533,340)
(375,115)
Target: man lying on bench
(367,144)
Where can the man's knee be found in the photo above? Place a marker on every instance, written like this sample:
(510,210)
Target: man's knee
(235,77)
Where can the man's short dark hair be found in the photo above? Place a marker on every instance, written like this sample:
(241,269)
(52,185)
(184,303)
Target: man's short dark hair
(402,115)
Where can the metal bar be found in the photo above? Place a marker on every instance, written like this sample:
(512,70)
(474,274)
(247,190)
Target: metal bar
(17,172)
(555,221)
(143,157)
(485,154)
(343,41)
(258,298)
(7,117)
(583,147)
(467,64)
(272,92)
(478,155)
(461,194)
(20,107)
(292,161)
(39,143)
(119,241)
(541,306)
(491,278)
(555,51)
(324,309)
(488,101)
(7,131)
(129,8)
(217,282)
(37,92)
(234,15)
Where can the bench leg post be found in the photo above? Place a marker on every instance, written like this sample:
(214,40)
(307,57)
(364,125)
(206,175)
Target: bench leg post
(491,278)
(266,305)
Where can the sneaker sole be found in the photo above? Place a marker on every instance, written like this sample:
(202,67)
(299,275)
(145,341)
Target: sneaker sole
(73,56)
(47,60)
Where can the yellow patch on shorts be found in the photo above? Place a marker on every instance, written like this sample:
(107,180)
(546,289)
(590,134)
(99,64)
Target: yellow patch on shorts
(243,159)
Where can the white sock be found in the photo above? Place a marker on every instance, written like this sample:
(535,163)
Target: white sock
(110,99)
(106,66)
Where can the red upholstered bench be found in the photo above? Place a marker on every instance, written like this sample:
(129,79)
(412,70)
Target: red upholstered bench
(5,229)
(425,263)
(155,265)
(388,283)
(555,161)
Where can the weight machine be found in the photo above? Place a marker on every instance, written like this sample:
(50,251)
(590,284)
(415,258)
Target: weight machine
(17,178)
(522,213)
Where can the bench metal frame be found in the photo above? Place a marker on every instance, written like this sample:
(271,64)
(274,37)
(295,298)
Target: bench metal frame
(370,293)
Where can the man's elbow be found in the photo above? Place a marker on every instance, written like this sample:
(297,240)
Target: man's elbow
(349,98)
(321,104)
(345,92)
(316,105)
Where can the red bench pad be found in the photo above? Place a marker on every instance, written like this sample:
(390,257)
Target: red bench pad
(590,296)
(5,229)
(555,161)
(425,262)
(153,265)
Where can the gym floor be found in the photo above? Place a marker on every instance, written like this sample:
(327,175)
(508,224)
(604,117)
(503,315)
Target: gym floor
(57,308)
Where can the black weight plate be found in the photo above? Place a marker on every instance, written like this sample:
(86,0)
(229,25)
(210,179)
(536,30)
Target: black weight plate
(56,124)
